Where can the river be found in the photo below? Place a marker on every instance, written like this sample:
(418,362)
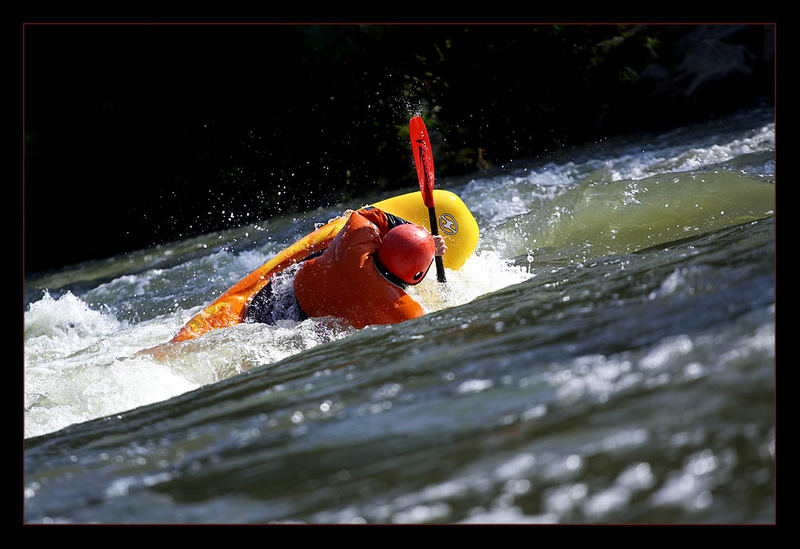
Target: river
(606,356)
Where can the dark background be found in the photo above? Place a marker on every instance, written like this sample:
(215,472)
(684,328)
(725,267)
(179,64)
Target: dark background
(136,134)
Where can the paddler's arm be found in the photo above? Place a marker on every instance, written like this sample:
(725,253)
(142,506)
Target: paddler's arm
(386,222)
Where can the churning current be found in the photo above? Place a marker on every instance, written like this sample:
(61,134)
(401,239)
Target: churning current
(607,355)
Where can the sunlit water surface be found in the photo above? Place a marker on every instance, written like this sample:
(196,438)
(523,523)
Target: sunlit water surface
(607,356)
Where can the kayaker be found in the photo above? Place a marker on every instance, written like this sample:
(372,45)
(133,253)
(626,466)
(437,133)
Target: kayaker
(360,277)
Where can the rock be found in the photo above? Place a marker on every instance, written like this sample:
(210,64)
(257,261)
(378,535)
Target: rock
(712,68)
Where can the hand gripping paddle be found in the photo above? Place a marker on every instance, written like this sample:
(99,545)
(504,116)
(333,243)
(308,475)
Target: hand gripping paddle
(423,160)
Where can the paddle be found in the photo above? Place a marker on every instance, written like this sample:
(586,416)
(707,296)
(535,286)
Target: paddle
(423,160)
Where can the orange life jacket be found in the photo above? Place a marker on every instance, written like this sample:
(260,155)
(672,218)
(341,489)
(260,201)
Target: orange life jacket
(344,281)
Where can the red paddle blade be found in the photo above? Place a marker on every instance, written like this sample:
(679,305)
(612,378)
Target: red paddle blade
(423,158)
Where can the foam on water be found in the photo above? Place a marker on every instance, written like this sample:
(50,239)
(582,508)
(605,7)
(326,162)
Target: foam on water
(483,273)
(82,352)
(81,363)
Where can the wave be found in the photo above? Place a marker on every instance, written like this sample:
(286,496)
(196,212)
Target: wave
(601,216)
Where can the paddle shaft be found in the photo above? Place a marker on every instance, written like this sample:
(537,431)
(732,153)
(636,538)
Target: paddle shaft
(435,231)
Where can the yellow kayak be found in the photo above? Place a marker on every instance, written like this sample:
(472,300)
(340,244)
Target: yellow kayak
(456,225)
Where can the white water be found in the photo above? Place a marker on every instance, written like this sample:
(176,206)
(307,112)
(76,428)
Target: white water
(82,363)
(82,356)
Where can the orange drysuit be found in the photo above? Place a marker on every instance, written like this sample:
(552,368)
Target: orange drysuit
(344,280)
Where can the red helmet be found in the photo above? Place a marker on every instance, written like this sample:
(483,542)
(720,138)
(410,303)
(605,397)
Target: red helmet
(407,253)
